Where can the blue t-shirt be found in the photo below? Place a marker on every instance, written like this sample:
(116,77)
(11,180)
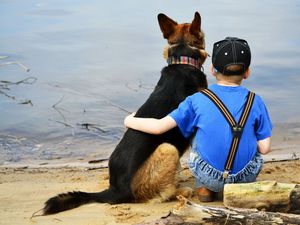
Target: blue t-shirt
(197,113)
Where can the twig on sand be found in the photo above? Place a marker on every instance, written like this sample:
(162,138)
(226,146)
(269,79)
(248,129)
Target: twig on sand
(188,212)
(97,168)
(97,161)
(35,214)
(293,157)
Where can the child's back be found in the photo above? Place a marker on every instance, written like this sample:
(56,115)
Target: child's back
(222,151)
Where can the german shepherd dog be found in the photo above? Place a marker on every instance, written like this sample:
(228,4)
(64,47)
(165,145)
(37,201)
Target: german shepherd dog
(143,167)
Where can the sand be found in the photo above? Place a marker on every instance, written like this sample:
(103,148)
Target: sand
(23,190)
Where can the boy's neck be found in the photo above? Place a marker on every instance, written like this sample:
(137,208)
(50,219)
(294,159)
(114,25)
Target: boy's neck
(226,83)
(231,81)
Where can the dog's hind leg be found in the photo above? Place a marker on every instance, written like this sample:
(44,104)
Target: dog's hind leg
(155,179)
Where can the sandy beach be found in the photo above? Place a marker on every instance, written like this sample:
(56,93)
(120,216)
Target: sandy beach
(23,190)
(26,185)
(70,71)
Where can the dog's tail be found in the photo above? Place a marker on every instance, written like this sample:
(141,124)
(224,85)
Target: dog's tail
(70,200)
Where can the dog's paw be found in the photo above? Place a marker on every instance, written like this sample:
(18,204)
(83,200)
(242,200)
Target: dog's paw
(156,200)
(182,178)
(186,192)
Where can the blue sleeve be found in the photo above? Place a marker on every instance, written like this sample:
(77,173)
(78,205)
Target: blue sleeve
(185,117)
(263,125)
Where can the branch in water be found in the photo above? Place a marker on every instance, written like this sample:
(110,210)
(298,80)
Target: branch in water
(66,124)
(140,86)
(90,125)
(4,84)
(17,63)
(59,109)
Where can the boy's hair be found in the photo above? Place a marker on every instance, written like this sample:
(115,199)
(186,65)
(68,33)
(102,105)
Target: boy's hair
(231,56)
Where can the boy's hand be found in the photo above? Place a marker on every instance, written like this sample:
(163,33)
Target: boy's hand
(149,125)
(128,118)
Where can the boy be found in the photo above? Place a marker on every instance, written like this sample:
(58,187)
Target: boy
(199,117)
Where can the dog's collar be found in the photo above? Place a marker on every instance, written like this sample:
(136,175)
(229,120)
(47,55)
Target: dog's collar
(184,60)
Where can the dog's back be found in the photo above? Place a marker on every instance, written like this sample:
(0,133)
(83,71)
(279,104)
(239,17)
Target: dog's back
(176,83)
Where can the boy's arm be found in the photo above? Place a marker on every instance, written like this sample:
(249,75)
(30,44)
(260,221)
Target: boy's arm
(150,125)
(264,146)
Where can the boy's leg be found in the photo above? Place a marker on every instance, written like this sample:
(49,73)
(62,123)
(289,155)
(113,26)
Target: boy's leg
(205,195)
(208,179)
(250,171)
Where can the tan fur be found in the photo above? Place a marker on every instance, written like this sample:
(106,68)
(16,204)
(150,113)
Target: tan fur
(155,179)
(166,52)
(187,192)
(184,33)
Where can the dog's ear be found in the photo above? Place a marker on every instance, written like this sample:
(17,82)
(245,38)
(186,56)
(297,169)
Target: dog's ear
(196,25)
(167,25)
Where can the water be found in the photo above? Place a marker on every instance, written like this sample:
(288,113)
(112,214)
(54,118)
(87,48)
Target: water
(95,61)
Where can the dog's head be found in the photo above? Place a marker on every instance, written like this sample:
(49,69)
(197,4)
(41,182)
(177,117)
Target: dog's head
(185,39)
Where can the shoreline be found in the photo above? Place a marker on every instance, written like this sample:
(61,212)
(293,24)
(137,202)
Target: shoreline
(24,191)
(280,152)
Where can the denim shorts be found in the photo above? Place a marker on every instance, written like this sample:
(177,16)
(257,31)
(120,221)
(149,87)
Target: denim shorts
(211,178)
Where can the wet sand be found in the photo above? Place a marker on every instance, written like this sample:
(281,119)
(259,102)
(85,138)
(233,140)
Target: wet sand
(23,190)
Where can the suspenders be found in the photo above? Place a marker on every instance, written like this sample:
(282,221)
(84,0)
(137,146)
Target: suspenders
(236,128)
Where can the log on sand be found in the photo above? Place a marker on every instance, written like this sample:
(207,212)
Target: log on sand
(264,195)
(190,213)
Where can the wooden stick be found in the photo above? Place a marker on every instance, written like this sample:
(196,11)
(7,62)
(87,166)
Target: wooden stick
(263,195)
(18,63)
(188,212)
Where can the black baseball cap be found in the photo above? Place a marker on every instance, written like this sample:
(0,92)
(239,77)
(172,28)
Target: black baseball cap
(231,51)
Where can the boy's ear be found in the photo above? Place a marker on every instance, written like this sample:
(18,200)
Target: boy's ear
(167,25)
(196,25)
(247,73)
(212,70)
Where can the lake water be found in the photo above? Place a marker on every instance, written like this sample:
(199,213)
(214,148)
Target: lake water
(92,62)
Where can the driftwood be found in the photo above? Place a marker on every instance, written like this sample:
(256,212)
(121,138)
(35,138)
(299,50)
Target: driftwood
(188,212)
(289,157)
(264,195)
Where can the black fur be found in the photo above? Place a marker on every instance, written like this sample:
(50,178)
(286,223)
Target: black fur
(175,84)
(71,200)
